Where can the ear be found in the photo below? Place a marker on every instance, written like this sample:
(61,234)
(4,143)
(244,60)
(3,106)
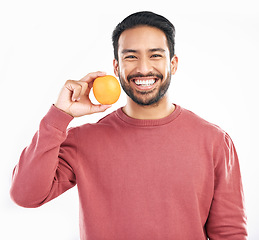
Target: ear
(116,67)
(174,64)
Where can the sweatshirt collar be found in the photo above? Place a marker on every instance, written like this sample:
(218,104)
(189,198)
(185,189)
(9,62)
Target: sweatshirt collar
(149,122)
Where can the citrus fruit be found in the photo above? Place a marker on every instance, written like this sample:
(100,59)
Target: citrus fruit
(106,89)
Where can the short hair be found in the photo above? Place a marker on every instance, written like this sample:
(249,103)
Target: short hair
(145,18)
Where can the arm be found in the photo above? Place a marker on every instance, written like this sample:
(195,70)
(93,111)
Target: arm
(46,167)
(227,218)
(44,170)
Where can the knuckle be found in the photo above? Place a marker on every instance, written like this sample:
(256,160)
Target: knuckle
(69,81)
(84,84)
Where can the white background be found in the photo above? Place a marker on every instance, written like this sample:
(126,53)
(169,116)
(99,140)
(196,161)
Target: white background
(45,43)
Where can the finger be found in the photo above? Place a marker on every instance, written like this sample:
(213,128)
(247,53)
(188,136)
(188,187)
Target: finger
(84,88)
(99,108)
(90,85)
(76,93)
(75,88)
(91,76)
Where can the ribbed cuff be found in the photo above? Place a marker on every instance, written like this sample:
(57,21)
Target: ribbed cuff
(57,118)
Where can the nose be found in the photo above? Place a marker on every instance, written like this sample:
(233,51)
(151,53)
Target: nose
(144,66)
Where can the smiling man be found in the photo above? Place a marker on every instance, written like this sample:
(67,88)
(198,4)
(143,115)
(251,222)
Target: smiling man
(144,66)
(149,170)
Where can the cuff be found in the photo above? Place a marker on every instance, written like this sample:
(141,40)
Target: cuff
(57,118)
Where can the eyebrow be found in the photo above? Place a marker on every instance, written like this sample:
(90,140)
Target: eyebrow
(128,51)
(135,51)
(156,50)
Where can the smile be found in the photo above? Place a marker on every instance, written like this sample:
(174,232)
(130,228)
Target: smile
(144,82)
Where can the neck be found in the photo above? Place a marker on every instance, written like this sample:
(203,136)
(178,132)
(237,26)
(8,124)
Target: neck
(155,111)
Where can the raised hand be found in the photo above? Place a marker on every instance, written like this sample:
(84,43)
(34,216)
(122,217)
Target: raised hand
(74,96)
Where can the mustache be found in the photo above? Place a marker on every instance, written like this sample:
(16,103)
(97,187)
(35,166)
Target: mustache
(139,75)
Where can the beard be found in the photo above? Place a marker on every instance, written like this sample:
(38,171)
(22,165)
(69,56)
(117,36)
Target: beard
(146,98)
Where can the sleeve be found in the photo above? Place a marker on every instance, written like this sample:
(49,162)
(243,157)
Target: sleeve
(45,169)
(227,218)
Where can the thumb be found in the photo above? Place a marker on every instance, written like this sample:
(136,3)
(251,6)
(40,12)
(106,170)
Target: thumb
(99,108)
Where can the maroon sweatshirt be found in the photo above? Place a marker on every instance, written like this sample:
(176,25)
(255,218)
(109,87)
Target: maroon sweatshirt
(173,178)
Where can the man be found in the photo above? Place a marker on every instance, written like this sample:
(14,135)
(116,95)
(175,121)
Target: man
(149,170)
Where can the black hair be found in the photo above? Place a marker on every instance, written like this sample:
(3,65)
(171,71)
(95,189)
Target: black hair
(145,18)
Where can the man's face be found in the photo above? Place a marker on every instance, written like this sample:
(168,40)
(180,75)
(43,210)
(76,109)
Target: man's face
(144,65)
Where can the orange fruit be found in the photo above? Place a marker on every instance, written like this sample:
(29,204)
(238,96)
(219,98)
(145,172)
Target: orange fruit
(106,89)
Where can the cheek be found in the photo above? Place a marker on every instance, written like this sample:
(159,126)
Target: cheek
(121,73)
(164,68)
(167,67)
(125,70)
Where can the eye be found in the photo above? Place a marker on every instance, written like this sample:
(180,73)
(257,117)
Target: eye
(130,57)
(156,56)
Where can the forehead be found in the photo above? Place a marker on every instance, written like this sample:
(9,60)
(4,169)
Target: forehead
(141,38)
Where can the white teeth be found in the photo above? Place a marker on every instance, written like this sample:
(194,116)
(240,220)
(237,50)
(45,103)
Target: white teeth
(145,82)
